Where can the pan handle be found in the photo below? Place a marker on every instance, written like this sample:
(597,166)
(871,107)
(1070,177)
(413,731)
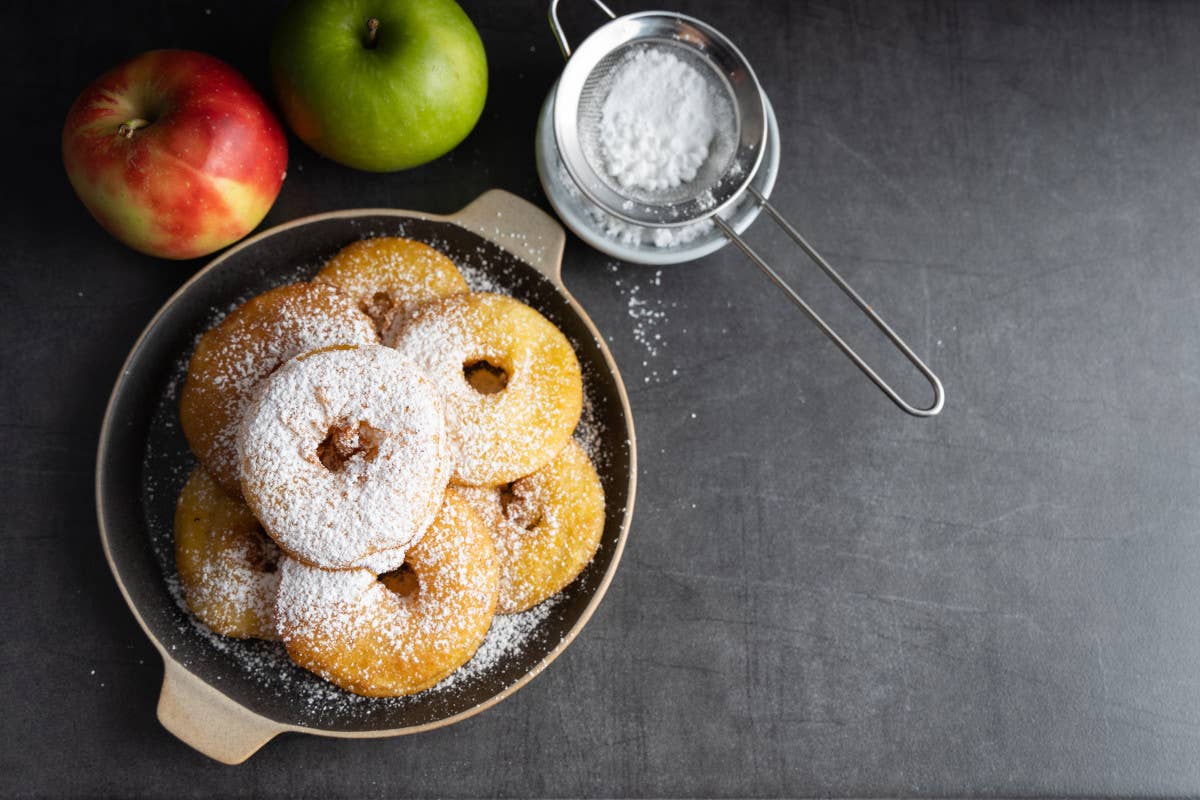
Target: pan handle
(519,227)
(556,26)
(207,720)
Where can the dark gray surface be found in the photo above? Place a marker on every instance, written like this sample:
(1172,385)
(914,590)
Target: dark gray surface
(819,595)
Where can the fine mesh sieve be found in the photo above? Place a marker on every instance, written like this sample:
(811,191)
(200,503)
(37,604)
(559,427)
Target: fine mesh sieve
(736,101)
(722,152)
(738,143)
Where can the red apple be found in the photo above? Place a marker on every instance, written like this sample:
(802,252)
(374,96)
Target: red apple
(174,153)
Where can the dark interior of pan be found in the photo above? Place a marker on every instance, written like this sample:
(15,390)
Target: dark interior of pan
(145,462)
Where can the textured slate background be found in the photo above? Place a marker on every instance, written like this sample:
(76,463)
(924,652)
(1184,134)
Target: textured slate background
(819,594)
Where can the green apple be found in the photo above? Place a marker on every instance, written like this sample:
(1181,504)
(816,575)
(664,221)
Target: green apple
(379,85)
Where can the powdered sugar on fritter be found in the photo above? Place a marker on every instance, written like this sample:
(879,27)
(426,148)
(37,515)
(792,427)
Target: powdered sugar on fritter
(504,435)
(385,490)
(249,344)
(378,638)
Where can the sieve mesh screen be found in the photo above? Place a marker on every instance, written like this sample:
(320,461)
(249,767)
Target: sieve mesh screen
(635,179)
(722,150)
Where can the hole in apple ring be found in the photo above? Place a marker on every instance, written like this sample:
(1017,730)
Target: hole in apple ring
(485,377)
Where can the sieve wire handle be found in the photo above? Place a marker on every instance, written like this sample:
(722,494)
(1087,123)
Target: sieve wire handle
(939,394)
(556,26)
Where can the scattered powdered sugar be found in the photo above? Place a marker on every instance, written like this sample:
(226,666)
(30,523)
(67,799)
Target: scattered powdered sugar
(506,638)
(501,231)
(589,433)
(647,308)
(646,317)
(481,279)
(656,122)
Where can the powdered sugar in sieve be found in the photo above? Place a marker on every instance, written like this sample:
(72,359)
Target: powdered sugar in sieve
(658,126)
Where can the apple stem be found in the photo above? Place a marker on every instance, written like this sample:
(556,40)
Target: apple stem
(372,32)
(125,129)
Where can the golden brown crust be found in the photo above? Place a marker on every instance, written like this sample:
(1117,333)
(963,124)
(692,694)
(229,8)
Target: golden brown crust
(546,527)
(503,435)
(227,566)
(350,628)
(389,276)
(249,344)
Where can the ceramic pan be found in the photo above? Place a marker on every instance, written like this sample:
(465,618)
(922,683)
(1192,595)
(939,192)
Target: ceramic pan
(210,698)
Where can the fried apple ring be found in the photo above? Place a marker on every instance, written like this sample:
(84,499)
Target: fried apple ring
(227,566)
(249,344)
(343,455)
(510,378)
(389,276)
(546,527)
(351,628)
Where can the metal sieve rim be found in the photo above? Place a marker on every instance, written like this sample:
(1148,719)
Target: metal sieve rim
(707,43)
